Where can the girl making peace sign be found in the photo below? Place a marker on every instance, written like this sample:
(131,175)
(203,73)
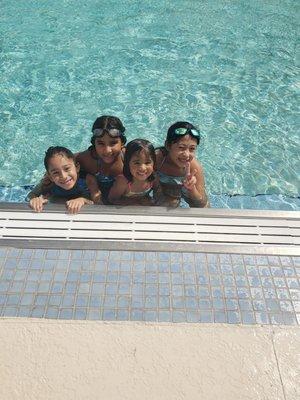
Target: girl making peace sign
(180,173)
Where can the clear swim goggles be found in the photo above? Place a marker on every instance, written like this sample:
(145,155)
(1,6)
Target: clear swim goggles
(186,131)
(112,132)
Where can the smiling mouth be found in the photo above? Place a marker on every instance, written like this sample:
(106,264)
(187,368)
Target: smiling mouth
(110,157)
(68,181)
(185,160)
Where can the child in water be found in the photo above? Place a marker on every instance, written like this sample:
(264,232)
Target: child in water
(103,161)
(138,179)
(61,182)
(179,173)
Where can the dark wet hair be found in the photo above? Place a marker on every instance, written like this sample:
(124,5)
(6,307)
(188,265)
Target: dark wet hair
(107,122)
(136,146)
(52,151)
(173,138)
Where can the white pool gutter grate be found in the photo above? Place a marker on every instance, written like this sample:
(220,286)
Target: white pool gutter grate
(152,229)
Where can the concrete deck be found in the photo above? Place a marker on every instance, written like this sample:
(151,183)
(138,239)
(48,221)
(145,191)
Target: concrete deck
(45,360)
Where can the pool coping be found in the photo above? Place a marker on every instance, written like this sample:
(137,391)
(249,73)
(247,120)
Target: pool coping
(288,220)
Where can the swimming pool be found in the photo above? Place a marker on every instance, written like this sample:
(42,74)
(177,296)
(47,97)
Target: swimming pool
(230,67)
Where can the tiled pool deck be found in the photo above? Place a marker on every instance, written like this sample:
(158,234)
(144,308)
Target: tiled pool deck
(149,286)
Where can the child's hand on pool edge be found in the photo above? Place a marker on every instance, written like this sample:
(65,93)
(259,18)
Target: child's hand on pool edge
(75,205)
(36,203)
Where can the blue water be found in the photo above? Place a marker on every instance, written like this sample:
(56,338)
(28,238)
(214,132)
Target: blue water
(228,66)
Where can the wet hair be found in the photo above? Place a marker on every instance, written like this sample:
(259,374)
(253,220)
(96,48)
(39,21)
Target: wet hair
(173,138)
(52,151)
(137,146)
(107,122)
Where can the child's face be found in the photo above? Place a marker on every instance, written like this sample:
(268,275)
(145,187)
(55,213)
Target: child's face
(62,171)
(108,148)
(182,151)
(141,165)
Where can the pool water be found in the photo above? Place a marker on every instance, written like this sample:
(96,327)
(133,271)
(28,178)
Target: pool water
(230,67)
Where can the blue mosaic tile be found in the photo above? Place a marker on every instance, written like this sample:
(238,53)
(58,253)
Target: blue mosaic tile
(122,315)
(220,317)
(68,300)
(150,316)
(179,316)
(262,260)
(262,318)
(206,316)
(233,317)
(232,304)
(52,312)
(136,315)
(270,293)
(286,261)
(164,290)
(289,318)
(163,278)
(276,319)
(178,287)
(67,313)
(37,312)
(81,313)
(259,305)
(292,283)
(54,300)
(82,301)
(283,294)
(177,290)
(191,303)
(205,304)
(203,292)
(215,280)
(164,316)
(97,301)
(24,311)
(178,302)
(10,311)
(248,317)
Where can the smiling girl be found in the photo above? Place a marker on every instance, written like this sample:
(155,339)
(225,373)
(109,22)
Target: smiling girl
(180,174)
(61,182)
(133,187)
(103,161)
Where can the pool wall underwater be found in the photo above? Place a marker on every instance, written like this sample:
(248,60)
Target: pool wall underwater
(259,202)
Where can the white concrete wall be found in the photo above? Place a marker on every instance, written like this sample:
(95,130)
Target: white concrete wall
(53,359)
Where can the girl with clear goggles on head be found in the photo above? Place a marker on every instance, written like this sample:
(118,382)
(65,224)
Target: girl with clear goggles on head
(103,160)
(179,172)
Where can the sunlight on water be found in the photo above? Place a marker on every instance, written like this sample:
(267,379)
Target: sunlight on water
(229,67)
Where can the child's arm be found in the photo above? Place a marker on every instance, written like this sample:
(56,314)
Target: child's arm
(118,190)
(75,205)
(195,184)
(94,190)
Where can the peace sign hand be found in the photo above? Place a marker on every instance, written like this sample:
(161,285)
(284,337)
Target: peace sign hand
(190,179)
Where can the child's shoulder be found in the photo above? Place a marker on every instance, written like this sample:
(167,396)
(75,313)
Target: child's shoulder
(121,180)
(160,154)
(195,164)
(84,155)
